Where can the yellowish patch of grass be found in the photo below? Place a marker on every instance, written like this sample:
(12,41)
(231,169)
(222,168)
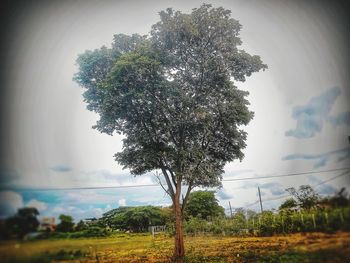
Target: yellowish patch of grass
(143,248)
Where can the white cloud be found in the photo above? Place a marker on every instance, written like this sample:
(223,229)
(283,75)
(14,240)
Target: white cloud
(41,206)
(223,194)
(58,210)
(76,212)
(107,208)
(122,202)
(10,201)
(106,177)
(97,212)
(310,117)
(90,197)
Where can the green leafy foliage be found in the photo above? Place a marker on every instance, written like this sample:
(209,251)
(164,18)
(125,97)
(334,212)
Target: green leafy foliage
(91,231)
(171,94)
(269,223)
(81,226)
(135,219)
(305,196)
(22,223)
(289,204)
(66,224)
(340,199)
(49,256)
(203,204)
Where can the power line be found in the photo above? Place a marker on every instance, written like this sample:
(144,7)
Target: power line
(284,175)
(88,188)
(335,177)
(154,185)
(314,186)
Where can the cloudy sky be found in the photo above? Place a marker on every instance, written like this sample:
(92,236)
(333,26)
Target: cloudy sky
(301,105)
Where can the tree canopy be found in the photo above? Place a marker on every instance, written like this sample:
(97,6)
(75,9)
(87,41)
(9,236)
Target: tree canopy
(136,219)
(66,224)
(305,196)
(23,222)
(290,203)
(172,95)
(203,204)
(339,199)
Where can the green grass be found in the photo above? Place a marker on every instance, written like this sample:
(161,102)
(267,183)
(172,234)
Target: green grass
(47,257)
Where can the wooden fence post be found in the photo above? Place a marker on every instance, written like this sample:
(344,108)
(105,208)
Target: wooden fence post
(313,220)
(302,219)
(341,217)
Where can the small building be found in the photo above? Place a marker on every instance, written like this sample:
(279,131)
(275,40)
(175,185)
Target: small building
(91,220)
(47,224)
(156,229)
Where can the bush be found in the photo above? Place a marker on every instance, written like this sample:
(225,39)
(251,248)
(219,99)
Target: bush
(195,225)
(269,223)
(57,235)
(94,231)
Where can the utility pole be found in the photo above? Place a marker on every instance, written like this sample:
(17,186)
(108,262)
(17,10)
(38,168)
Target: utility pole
(260,199)
(230,208)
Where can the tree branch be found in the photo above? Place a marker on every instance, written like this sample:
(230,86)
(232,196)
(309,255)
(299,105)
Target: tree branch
(160,183)
(172,176)
(170,186)
(166,120)
(184,202)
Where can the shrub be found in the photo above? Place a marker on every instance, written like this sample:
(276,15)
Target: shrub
(94,231)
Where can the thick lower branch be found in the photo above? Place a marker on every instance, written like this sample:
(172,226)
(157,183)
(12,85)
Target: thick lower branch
(170,186)
(184,202)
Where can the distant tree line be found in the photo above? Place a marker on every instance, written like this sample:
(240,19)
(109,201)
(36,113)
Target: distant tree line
(23,222)
(201,204)
(135,219)
(305,211)
(305,198)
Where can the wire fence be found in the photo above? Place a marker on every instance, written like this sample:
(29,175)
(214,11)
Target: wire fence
(344,173)
(269,223)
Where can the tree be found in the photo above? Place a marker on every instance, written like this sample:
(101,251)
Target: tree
(171,94)
(339,199)
(23,222)
(203,204)
(81,226)
(290,203)
(66,224)
(251,214)
(136,219)
(305,196)
(239,218)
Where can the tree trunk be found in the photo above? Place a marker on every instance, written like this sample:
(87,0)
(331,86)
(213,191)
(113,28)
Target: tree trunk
(179,251)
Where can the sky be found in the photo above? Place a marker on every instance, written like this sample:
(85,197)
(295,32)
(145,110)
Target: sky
(301,105)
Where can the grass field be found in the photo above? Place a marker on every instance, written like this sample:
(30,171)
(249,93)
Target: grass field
(315,247)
